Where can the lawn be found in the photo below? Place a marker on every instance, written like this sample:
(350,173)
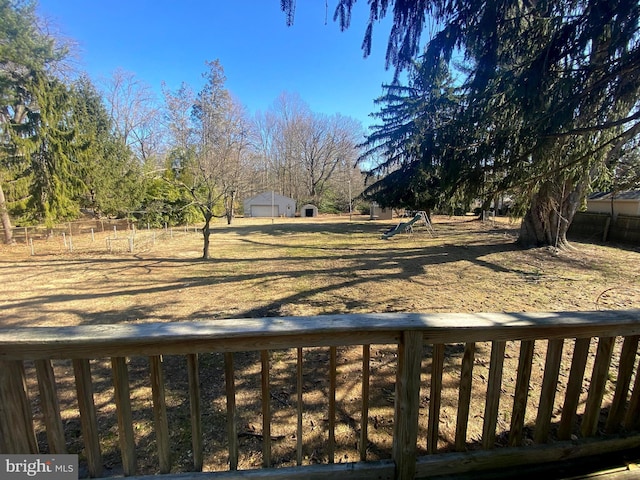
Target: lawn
(300,267)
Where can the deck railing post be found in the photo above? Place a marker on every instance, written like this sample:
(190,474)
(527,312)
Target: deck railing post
(15,410)
(122,398)
(160,418)
(88,417)
(407,402)
(50,406)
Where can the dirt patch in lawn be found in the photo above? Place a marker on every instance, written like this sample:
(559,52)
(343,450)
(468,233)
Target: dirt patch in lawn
(265,268)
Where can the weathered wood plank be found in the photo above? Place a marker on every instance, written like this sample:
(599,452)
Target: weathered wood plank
(125,417)
(407,403)
(431,465)
(501,458)
(232,429)
(597,386)
(625,371)
(266,409)
(161,420)
(548,390)
(195,411)
(299,406)
(16,418)
(88,419)
(382,469)
(435,398)
(364,417)
(574,388)
(50,407)
(464,396)
(332,404)
(494,384)
(521,392)
(632,417)
(96,341)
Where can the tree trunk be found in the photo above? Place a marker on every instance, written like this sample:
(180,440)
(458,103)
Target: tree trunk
(551,212)
(230,213)
(6,220)
(205,235)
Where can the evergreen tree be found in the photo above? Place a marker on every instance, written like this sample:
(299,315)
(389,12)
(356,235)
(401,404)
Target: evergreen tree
(551,92)
(110,172)
(47,138)
(412,146)
(26,55)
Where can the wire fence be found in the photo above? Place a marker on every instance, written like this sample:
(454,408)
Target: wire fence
(96,236)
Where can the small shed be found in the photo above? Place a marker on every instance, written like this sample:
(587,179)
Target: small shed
(269,204)
(379,213)
(615,203)
(309,210)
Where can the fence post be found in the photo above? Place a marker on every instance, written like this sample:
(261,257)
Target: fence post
(407,402)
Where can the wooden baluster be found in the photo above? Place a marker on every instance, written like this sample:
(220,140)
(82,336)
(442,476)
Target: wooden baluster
(160,413)
(407,404)
(50,407)
(632,417)
(493,394)
(232,429)
(464,396)
(299,407)
(364,422)
(16,418)
(195,410)
(596,389)
(435,397)
(88,419)
(625,371)
(266,410)
(521,392)
(332,404)
(574,387)
(125,417)
(548,390)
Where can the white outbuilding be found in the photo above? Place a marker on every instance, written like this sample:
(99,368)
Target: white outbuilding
(623,203)
(309,211)
(269,204)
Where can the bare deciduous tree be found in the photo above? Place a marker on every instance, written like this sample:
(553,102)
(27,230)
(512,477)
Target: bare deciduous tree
(210,134)
(133,106)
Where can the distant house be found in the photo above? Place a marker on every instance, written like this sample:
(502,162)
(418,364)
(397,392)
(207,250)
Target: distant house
(269,204)
(618,203)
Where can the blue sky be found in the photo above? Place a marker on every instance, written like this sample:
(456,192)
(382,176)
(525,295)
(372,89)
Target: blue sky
(162,40)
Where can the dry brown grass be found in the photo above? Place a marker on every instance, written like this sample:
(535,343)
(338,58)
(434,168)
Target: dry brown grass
(300,267)
(297,267)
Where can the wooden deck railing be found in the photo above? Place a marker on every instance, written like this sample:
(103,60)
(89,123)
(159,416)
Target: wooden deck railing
(595,402)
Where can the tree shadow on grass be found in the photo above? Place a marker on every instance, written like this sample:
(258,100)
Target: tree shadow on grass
(345,267)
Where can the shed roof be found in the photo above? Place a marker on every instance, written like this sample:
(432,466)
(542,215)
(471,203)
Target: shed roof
(268,196)
(625,195)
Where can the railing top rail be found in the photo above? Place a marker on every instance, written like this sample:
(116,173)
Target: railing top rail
(95,341)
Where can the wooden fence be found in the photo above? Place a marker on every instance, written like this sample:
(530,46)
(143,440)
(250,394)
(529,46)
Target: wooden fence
(591,421)
(599,227)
